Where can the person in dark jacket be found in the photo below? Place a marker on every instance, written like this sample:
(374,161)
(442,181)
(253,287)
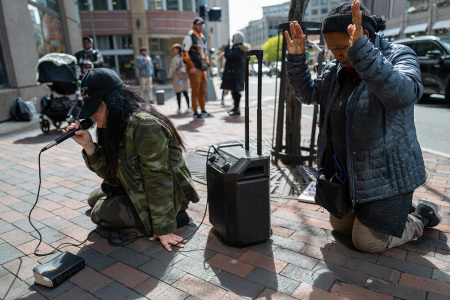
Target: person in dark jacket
(234,73)
(366,98)
(88,57)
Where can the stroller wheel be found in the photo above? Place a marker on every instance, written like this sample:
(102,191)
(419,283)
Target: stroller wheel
(45,126)
(57,124)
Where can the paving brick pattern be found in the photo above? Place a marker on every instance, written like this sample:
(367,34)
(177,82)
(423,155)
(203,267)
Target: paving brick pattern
(303,259)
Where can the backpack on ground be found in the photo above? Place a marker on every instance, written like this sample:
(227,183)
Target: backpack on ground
(19,111)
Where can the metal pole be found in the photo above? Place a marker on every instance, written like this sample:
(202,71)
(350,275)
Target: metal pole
(91,8)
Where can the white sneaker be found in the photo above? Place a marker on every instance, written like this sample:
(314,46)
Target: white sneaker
(189,110)
(179,111)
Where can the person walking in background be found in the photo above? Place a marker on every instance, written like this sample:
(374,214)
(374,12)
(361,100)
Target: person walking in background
(194,55)
(234,72)
(177,74)
(145,66)
(366,98)
(88,57)
(222,60)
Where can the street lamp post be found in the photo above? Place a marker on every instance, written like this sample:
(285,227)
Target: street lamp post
(91,8)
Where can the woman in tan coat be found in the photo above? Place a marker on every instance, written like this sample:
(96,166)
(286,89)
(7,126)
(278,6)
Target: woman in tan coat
(178,76)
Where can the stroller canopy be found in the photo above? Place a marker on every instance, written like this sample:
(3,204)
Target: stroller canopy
(59,69)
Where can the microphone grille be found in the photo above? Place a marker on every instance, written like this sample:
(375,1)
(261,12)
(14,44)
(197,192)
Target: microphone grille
(86,124)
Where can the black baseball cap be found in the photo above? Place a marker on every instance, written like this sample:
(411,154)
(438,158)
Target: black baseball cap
(86,37)
(199,20)
(96,85)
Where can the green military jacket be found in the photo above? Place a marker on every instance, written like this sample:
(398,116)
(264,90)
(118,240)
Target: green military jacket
(151,171)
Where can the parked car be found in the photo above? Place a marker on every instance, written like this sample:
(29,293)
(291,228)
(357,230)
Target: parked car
(434,57)
(275,68)
(253,69)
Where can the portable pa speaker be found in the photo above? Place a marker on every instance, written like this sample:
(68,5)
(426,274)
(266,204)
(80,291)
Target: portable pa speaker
(238,184)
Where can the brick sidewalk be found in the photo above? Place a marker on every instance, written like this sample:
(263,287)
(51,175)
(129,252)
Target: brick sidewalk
(302,260)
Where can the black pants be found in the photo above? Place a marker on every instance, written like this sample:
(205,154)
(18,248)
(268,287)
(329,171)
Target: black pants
(186,96)
(237,98)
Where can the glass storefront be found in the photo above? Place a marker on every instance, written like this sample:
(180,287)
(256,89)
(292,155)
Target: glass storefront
(47,29)
(126,70)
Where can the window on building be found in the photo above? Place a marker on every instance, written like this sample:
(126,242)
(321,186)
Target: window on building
(335,1)
(307,13)
(324,11)
(286,10)
(315,2)
(314,12)
(124,42)
(187,5)
(83,5)
(104,42)
(154,5)
(119,4)
(324,2)
(100,4)
(172,4)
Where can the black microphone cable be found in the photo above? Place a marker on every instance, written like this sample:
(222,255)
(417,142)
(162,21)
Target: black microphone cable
(40,236)
(123,237)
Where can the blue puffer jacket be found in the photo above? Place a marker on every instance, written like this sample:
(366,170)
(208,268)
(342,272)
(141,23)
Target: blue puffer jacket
(383,154)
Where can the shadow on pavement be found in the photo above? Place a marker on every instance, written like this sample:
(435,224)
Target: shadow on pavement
(41,138)
(240,278)
(192,126)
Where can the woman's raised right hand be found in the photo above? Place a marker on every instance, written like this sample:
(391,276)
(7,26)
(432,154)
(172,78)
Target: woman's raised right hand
(296,43)
(82,137)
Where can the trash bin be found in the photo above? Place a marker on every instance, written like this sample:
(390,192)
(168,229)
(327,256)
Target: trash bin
(160,97)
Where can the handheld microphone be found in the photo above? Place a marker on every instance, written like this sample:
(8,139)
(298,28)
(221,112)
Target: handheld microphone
(85,124)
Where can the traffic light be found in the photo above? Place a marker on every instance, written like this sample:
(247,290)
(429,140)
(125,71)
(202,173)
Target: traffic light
(215,13)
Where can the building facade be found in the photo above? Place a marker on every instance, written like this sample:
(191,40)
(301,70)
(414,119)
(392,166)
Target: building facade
(29,30)
(405,17)
(415,17)
(120,28)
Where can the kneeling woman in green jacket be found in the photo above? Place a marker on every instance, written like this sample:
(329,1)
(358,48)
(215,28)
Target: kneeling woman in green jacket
(138,155)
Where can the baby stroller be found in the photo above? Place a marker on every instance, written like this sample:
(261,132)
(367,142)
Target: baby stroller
(59,72)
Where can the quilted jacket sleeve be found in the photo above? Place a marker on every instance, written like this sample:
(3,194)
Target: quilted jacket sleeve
(397,81)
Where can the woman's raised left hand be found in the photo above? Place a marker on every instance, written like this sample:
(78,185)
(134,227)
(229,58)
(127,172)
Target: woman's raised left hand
(355,30)
(169,239)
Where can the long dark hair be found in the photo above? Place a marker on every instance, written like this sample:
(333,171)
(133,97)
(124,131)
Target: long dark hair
(121,104)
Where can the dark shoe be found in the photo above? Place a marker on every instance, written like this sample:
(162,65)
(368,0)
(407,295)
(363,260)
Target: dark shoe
(198,116)
(234,112)
(429,212)
(205,114)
